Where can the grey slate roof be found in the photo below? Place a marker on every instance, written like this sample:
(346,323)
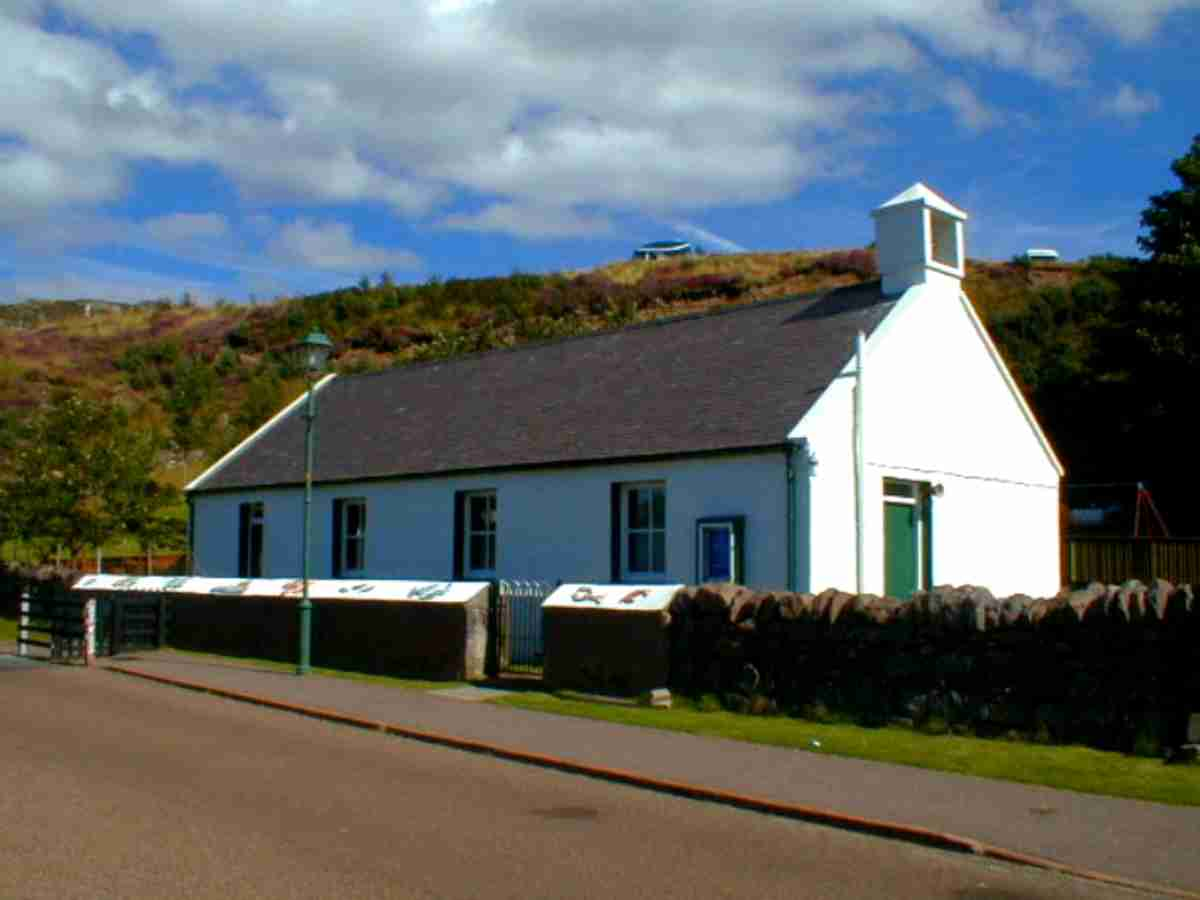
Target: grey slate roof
(736,379)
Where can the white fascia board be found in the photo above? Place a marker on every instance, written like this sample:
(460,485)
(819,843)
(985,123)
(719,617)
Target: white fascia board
(913,295)
(254,436)
(920,193)
(998,361)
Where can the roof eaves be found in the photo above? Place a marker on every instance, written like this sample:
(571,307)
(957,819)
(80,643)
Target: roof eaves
(196,485)
(760,447)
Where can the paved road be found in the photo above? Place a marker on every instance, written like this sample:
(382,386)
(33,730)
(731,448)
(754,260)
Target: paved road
(112,787)
(1147,842)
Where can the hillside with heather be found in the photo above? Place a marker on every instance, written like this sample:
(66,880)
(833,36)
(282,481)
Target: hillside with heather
(200,378)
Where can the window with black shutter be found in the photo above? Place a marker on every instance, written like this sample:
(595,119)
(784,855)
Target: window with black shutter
(251,519)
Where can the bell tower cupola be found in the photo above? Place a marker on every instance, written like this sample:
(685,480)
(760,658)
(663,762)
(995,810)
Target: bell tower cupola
(919,240)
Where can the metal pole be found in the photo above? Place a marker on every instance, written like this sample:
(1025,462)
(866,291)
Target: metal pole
(860,468)
(304,666)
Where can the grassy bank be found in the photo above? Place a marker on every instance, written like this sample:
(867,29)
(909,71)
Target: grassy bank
(8,629)
(1064,767)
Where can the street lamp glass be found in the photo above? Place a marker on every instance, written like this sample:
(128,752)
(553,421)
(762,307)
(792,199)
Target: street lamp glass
(317,348)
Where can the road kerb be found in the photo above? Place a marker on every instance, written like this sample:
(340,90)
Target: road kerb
(914,834)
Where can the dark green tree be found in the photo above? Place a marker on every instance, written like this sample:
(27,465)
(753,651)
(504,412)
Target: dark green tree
(264,398)
(189,400)
(1173,217)
(79,475)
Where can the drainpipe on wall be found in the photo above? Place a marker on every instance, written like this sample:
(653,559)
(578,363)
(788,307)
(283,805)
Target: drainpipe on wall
(799,467)
(789,455)
(860,467)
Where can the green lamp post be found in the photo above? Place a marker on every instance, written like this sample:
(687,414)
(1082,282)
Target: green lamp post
(316,349)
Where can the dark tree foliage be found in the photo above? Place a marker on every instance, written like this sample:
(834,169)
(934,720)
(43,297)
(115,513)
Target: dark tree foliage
(79,474)
(189,400)
(1110,365)
(1173,217)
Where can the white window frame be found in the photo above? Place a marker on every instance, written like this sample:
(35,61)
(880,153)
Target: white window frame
(702,530)
(469,532)
(652,574)
(348,538)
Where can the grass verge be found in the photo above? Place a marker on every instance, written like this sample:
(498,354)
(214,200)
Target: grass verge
(1070,768)
(270,665)
(8,629)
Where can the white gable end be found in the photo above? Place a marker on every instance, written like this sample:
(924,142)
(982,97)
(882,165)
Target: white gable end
(941,412)
(939,397)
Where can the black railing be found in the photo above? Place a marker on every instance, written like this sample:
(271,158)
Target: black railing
(52,623)
(516,634)
(133,621)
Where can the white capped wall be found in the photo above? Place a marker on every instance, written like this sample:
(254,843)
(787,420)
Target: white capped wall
(937,409)
(551,523)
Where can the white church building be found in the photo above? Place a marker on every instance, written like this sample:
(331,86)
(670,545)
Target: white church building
(867,438)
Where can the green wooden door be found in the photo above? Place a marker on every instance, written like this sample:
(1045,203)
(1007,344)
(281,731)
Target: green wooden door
(900,549)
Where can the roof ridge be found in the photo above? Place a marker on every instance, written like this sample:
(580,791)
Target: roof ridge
(606,332)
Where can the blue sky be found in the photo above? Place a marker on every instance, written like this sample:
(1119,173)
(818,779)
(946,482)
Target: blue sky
(231,149)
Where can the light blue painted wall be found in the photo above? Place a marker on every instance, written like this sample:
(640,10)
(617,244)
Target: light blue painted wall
(552,523)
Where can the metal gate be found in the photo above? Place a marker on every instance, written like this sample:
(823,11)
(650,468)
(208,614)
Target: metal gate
(54,623)
(517,644)
(127,622)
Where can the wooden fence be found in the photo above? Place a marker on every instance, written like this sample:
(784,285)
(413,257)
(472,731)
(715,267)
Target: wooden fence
(1114,560)
(141,564)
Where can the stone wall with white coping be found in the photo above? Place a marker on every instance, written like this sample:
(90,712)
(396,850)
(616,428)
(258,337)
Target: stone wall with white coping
(606,638)
(427,629)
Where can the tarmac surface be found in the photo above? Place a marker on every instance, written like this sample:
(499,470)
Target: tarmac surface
(1147,843)
(120,787)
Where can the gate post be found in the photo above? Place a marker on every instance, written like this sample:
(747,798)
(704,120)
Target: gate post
(118,626)
(89,630)
(161,639)
(23,627)
(491,665)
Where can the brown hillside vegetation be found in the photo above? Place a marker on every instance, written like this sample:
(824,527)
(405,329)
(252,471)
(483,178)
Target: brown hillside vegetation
(207,376)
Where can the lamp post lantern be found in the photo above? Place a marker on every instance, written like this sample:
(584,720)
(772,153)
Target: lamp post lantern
(316,350)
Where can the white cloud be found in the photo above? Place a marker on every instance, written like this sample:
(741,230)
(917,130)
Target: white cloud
(550,107)
(708,239)
(330,246)
(971,113)
(409,102)
(537,223)
(1130,103)
(82,278)
(186,227)
(32,182)
(1133,20)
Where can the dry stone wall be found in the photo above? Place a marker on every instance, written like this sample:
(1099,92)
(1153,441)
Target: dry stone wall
(1116,667)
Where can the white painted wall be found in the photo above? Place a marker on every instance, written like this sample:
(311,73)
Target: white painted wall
(551,523)
(904,241)
(938,408)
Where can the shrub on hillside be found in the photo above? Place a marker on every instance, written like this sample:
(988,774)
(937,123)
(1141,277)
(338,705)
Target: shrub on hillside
(861,263)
